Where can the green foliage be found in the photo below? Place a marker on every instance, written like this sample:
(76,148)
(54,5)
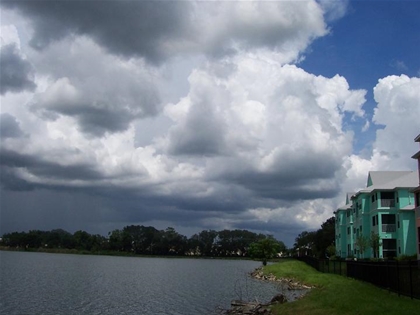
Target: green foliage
(316,243)
(337,295)
(331,251)
(138,240)
(362,243)
(264,249)
(375,243)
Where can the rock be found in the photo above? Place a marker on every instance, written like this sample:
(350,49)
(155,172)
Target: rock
(279,299)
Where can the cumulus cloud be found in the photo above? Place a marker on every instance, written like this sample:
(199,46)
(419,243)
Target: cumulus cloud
(103,93)
(157,30)
(16,72)
(9,127)
(397,113)
(280,139)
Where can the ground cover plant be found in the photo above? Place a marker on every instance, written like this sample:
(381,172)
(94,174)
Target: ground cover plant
(335,294)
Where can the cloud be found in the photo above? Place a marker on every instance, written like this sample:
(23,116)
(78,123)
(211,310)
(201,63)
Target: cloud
(397,113)
(333,9)
(158,30)
(9,127)
(103,93)
(16,72)
(399,65)
(398,110)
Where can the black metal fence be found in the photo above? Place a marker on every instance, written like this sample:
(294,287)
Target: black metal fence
(401,277)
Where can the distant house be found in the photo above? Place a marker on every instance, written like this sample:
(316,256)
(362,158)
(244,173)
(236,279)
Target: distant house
(386,208)
(416,192)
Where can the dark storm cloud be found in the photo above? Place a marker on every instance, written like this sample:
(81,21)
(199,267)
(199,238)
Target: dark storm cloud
(292,176)
(128,28)
(101,105)
(15,72)
(11,161)
(202,134)
(157,30)
(9,127)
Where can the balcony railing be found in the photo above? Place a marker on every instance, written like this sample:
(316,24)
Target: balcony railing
(383,203)
(387,203)
(388,228)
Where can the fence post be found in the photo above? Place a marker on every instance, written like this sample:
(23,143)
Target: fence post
(411,279)
(398,278)
(387,276)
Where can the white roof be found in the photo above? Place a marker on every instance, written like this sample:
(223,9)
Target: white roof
(390,180)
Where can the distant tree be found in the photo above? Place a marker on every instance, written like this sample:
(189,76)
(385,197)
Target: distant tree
(204,243)
(264,249)
(304,242)
(316,243)
(330,251)
(82,240)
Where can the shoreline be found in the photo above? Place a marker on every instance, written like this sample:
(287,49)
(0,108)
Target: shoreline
(294,289)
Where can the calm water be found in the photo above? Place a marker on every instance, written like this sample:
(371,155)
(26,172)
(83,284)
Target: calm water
(40,283)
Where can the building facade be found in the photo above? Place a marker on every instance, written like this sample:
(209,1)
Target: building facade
(416,192)
(384,209)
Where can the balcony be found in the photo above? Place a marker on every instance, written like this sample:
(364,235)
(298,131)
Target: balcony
(383,203)
(387,203)
(389,228)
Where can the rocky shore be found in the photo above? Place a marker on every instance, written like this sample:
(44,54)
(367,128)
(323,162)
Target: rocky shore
(255,308)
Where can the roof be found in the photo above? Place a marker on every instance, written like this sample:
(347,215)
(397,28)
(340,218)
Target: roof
(389,180)
(416,156)
(348,202)
(379,178)
(417,139)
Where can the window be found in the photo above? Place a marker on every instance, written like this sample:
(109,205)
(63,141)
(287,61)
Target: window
(388,219)
(373,221)
(389,248)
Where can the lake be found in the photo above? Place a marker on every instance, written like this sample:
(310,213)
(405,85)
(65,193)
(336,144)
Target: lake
(42,283)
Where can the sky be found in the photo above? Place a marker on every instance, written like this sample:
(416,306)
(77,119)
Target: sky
(257,115)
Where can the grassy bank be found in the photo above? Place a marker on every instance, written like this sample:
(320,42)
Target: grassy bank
(339,295)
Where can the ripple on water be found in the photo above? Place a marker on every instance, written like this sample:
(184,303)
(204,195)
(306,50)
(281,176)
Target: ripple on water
(40,283)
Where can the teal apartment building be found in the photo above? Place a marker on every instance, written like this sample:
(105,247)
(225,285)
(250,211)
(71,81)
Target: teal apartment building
(385,207)
(416,192)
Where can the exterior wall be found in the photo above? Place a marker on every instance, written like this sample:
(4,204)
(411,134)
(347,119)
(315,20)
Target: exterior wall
(340,232)
(407,233)
(362,223)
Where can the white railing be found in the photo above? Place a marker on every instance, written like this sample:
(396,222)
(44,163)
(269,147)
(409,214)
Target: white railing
(388,228)
(387,203)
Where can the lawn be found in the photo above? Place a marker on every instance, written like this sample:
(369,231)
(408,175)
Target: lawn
(335,294)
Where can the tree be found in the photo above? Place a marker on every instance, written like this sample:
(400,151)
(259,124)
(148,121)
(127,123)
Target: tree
(304,242)
(375,243)
(264,249)
(362,243)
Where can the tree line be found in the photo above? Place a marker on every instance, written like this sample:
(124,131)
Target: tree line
(146,240)
(318,243)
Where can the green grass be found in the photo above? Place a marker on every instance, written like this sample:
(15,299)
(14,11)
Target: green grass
(335,294)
